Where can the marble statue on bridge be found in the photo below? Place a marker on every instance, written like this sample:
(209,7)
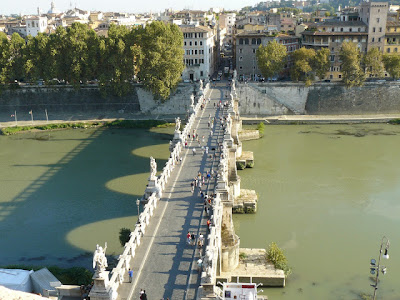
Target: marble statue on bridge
(177,124)
(153,168)
(100,259)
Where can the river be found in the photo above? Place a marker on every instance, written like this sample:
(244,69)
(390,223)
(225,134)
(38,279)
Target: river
(65,191)
(327,195)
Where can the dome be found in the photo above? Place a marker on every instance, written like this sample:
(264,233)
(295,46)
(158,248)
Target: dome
(53,9)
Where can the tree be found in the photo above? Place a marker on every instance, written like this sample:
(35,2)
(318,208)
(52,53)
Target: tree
(37,60)
(277,257)
(303,59)
(16,58)
(124,236)
(392,64)
(271,58)
(4,57)
(350,56)
(321,63)
(162,57)
(373,63)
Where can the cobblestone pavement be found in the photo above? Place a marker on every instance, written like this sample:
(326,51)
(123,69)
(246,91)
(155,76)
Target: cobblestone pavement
(164,265)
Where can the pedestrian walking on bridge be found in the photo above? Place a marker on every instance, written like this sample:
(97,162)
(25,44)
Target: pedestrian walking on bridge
(130,274)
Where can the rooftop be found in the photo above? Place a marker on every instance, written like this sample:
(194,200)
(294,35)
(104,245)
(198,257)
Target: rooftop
(192,28)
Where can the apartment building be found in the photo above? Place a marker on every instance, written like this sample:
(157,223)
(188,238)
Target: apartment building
(200,52)
(331,34)
(246,45)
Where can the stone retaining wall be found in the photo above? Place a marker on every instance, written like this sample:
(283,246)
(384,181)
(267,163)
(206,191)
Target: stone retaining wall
(263,99)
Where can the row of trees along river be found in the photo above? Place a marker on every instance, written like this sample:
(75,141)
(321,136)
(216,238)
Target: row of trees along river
(152,55)
(307,64)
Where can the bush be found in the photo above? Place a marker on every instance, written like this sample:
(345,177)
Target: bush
(276,256)
(395,121)
(261,128)
(124,235)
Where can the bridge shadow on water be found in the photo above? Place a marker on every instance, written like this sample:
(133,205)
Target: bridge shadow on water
(61,215)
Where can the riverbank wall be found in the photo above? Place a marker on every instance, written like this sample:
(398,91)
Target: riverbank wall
(267,99)
(88,103)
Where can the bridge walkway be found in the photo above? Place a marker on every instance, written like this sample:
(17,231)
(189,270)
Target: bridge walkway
(164,265)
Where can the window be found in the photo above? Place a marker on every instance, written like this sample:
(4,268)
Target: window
(246,41)
(240,41)
(201,43)
(379,39)
(333,29)
(240,68)
(333,49)
(395,49)
(380,29)
(240,58)
(184,43)
(373,40)
(240,50)
(359,29)
(377,20)
(195,35)
(195,61)
(332,57)
(340,76)
(195,51)
(253,41)
(201,73)
(351,29)
(195,43)
(254,50)
(258,41)
(341,29)
(373,29)
(388,50)
(190,43)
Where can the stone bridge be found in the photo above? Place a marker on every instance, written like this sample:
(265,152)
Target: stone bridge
(163,263)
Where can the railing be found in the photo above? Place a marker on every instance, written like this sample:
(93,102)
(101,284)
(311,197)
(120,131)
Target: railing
(117,274)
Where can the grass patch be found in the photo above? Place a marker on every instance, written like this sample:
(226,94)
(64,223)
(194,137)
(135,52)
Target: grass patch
(74,275)
(242,255)
(142,124)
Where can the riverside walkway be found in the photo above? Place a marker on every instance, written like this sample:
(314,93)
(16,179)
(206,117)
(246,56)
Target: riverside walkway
(165,266)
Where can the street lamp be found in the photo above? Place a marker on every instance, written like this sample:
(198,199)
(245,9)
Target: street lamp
(138,204)
(377,268)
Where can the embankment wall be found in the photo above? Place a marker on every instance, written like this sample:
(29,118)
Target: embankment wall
(67,103)
(263,99)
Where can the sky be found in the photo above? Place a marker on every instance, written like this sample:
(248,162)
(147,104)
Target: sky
(135,6)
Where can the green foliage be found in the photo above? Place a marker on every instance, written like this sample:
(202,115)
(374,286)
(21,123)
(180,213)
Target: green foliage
(76,55)
(303,60)
(276,256)
(373,63)
(261,128)
(242,255)
(271,58)
(321,63)
(350,56)
(162,62)
(124,235)
(143,124)
(394,122)
(392,64)
(74,275)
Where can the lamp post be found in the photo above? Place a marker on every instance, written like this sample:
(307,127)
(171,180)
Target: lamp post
(377,268)
(138,205)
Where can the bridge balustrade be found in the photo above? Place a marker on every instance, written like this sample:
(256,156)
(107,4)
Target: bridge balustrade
(117,273)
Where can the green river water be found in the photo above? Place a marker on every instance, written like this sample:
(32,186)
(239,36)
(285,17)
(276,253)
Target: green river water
(327,194)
